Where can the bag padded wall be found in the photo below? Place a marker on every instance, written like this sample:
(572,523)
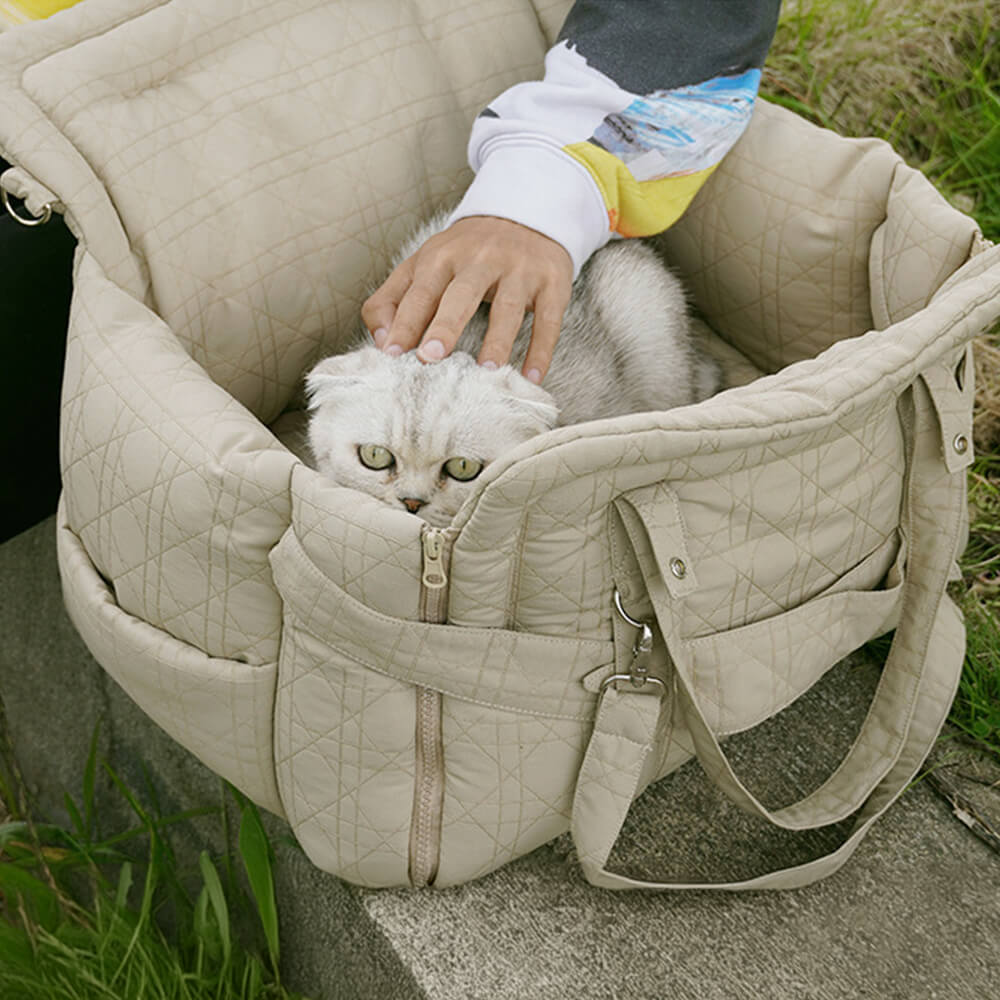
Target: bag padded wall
(238,174)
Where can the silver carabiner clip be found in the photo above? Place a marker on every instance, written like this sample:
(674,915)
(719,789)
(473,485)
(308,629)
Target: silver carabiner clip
(638,675)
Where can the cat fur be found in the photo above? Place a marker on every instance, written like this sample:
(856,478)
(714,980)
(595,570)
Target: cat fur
(625,347)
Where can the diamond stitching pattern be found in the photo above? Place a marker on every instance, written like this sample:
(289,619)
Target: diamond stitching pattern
(179,495)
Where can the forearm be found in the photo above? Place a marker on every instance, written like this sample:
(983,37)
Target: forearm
(639,103)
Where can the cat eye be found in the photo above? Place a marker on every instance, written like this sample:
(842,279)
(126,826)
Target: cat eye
(463,469)
(374,456)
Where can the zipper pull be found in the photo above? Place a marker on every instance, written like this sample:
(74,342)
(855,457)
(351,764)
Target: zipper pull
(434,576)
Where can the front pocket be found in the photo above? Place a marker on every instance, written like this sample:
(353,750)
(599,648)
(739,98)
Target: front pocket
(745,675)
(518,671)
(514,717)
(344,759)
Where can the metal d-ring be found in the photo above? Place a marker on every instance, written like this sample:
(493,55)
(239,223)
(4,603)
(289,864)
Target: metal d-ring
(637,682)
(25,220)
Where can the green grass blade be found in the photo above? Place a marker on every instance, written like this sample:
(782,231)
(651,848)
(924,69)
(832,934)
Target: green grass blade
(977,706)
(257,859)
(40,900)
(74,815)
(14,831)
(217,899)
(15,947)
(124,885)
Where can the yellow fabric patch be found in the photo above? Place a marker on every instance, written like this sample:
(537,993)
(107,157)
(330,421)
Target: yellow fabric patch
(637,208)
(19,11)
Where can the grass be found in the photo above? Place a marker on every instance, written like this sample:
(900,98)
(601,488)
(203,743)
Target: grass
(922,76)
(82,919)
(976,711)
(925,77)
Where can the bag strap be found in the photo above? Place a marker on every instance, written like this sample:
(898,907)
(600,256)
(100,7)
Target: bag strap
(907,711)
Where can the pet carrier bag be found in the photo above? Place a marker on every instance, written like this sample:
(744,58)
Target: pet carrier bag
(424,705)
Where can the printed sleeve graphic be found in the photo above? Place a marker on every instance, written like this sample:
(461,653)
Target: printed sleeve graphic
(680,131)
(581,158)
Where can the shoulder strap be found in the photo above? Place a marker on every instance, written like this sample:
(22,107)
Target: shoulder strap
(907,711)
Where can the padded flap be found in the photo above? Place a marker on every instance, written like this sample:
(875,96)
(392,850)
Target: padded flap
(247,167)
(263,159)
(922,241)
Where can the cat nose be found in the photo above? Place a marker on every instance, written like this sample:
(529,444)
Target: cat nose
(412,504)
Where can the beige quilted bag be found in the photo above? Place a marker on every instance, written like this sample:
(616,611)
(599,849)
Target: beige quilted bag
(424,705)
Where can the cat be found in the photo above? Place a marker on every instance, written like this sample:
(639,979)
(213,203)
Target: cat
(417,436)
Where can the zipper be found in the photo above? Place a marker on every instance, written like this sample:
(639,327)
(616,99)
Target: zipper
(434,578)
(428,785)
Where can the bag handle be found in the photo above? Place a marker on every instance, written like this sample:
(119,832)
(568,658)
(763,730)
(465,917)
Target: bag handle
(909,706)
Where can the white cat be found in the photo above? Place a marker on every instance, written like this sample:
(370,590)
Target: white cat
(416,436)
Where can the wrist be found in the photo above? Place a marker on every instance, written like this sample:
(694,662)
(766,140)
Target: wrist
(537,185)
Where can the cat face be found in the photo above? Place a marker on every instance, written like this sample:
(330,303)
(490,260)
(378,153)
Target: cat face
(417,436)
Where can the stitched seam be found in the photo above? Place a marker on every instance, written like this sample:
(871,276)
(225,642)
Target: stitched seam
(297,622)
(80,39)
(514,583)
(303,558)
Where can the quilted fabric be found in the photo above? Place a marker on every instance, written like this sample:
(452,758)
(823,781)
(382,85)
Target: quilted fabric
(237,174)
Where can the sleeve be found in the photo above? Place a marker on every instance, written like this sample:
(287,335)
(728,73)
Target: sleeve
(640,101)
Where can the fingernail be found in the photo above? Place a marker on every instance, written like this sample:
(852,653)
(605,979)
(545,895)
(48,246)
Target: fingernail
(533,375)
(432,350)
(380,336)
(490,366)
(394,350)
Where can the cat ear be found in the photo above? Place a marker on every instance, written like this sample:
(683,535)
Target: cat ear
(324,388)
(332,377)
(547,414)
(531,400)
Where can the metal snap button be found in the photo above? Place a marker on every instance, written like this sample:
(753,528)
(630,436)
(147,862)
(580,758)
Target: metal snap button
(960,444)
(678,568)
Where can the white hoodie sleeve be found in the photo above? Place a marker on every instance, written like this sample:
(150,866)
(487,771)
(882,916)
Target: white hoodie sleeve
(639,103)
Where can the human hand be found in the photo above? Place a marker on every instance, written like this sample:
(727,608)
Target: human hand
(430,296)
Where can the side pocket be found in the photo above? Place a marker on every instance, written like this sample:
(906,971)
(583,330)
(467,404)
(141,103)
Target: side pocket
(219,709)
(747,674)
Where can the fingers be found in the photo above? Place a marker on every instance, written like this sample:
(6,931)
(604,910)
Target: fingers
(406,303)
(379,310)
(457,305)
(546,326)
(427,301)
(507,310)
(430,297)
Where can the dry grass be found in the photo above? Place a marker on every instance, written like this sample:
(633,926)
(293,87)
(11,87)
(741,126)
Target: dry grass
(922,75)
(986,420)
(872,68)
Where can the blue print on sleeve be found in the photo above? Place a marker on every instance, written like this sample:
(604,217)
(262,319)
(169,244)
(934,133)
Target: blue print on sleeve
(686,129)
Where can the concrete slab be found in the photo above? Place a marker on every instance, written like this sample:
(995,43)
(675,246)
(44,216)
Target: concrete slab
(914,915)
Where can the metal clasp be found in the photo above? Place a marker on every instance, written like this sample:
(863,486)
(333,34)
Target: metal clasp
(25,220)
(638,675)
